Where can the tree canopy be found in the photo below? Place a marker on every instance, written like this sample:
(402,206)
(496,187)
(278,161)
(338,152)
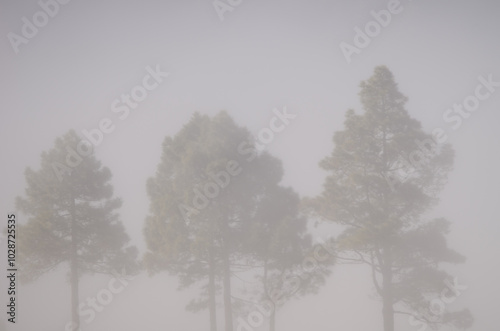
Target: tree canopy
(384,175)
(72,219)
(217,208)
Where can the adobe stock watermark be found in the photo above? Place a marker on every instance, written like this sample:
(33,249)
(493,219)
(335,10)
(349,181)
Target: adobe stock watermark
(30,28)
(363,37)
(223,6)
(89,309)
(407,166)
(470,104)
(437,307)
(454,115)
(121,106)
(204,194)
(292,279)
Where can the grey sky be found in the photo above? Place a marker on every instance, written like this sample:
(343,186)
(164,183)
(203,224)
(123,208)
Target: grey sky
(264,55)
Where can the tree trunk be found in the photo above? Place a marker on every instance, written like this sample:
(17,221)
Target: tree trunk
(388,313)
(74,294)
(211,291)
(387,296)
(75,317)
(228,311)
(272,317)
(272,320)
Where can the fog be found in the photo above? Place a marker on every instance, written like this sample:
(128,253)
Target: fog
(245,63)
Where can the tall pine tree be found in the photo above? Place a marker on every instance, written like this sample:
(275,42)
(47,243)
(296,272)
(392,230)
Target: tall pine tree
(384,174)
(72,219)
(215,205)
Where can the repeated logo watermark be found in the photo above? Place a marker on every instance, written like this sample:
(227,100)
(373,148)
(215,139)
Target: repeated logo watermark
(428,148)
(89,308)
(223,6)
(204,194)
(291,281)
(30,28)
(437,307)
(363,37)
(121,106)
(460,111)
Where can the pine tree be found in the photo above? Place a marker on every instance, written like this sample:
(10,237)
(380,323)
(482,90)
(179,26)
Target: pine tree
(211,199)
(72,219)
(384,174)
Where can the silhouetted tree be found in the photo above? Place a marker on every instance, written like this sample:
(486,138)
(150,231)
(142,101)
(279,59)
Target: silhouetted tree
(72,219)
(211,204)
(385,173)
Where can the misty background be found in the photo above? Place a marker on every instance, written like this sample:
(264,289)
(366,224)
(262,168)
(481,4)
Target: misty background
(263,55)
